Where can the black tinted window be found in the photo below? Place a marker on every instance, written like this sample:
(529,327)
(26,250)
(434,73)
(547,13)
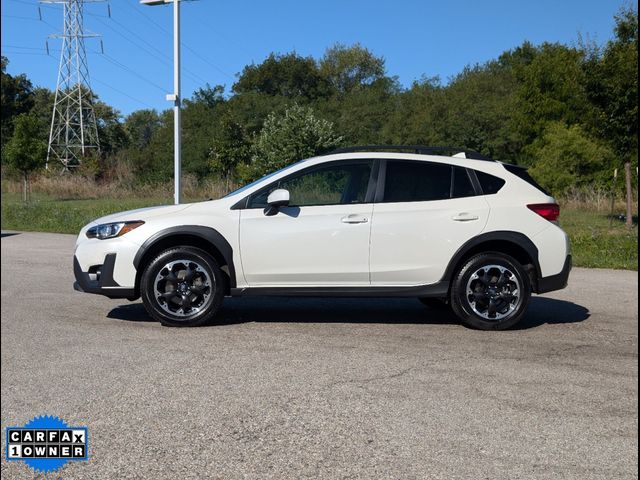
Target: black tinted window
(489,183)
(417,181)
(461,185)
(331,185)
(524,175)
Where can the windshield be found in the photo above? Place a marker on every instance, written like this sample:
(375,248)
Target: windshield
(255,182)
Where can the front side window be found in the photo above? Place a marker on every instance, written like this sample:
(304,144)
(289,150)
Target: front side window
(408,181)
(337,184)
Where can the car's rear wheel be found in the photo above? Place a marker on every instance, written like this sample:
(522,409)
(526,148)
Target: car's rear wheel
(491,292)
(182,287)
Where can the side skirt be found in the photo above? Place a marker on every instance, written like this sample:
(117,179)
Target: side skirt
(436,290)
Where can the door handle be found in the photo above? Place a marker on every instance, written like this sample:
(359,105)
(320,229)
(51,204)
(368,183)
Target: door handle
(464,217)
(354,218)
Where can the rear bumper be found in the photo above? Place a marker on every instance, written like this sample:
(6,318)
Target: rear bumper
(104,284)
(555,282)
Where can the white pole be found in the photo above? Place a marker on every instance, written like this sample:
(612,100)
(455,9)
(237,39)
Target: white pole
(176,108)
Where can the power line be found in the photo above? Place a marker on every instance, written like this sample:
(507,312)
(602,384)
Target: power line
(29,18)
(133,72)
(205,60)
(161,56)
(220,35)
(95,80)
(19,17)
(24,2)
(123,93)
(149,19)
(23,53)
(22,48)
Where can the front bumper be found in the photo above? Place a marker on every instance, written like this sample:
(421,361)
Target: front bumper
(102,283)
(555,282)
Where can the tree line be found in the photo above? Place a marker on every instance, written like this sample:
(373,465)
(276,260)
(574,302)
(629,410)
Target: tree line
(569,112)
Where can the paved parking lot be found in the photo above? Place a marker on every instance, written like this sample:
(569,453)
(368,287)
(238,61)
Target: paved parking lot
(296,388)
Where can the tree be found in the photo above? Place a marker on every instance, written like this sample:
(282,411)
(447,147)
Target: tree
(208,95)
(349,68)
(141,125)
(614,91)
(25,151)
(361,114)
(229,148)
(111,132)
(567,157)
(476,111)
(289,75)
(288,138)
(16,95)
(551,88)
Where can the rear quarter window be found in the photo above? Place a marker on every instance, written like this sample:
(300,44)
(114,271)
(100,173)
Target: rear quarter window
(523,174)
(490,184)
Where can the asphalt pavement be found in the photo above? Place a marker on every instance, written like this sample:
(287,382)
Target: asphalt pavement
(321,388)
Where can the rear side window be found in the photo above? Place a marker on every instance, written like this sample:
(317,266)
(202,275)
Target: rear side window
(461,185)
(524,175)
(417,181)
(489,183)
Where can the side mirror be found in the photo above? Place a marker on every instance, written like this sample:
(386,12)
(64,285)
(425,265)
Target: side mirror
(278,198)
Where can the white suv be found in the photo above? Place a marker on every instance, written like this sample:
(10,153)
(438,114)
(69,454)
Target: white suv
(460,231)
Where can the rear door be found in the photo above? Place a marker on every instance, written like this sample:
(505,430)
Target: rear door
(424,212)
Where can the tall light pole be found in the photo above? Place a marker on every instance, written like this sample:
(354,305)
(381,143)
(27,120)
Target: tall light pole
(175,96)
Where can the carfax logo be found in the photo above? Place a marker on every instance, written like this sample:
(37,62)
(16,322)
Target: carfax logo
(47,443)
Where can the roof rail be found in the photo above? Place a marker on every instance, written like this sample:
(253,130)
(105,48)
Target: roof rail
(418,149)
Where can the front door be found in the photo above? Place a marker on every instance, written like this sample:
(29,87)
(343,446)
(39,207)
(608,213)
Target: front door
(320,239)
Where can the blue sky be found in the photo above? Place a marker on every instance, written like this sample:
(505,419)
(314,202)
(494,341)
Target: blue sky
(415,37)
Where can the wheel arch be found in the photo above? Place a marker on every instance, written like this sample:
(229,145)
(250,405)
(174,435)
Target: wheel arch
(205,238)
(514,244)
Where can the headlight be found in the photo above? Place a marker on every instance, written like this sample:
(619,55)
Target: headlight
(112,230)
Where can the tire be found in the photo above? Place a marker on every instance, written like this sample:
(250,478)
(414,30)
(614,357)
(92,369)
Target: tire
(490,292)
(182,287)
(435,303)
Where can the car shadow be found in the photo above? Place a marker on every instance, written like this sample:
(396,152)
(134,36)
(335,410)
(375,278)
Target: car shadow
(542,310)
(8,234)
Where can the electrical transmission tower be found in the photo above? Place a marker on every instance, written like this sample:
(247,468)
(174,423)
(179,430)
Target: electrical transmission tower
(74,131)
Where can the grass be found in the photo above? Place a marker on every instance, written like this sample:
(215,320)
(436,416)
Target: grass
(45,214)
(596,241)
(599,242)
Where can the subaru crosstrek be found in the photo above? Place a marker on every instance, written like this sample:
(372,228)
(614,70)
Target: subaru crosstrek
(458,231)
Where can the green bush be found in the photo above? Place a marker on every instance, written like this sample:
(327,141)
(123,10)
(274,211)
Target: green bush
(567,157)
(288,138)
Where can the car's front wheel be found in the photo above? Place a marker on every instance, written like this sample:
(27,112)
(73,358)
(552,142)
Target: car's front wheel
(491,292)
(182,287)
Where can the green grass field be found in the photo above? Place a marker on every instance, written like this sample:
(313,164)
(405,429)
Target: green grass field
(595,242)
(598,242)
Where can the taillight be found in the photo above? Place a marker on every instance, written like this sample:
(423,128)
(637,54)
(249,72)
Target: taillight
(548,211)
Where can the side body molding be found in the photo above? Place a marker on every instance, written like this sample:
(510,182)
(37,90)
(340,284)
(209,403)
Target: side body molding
(208,234)
(518,239)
